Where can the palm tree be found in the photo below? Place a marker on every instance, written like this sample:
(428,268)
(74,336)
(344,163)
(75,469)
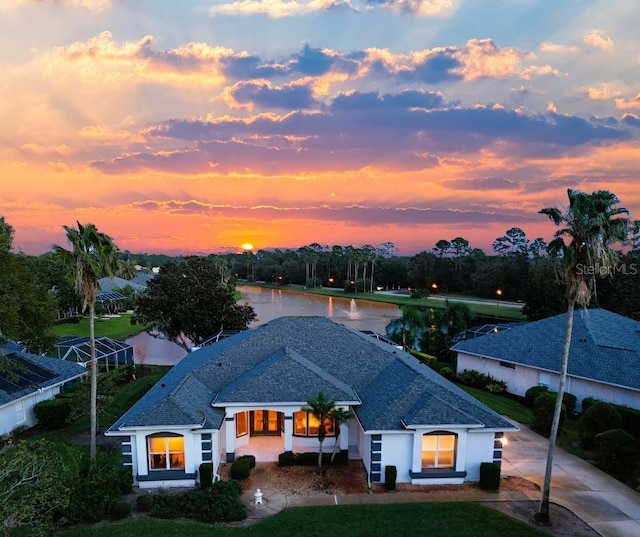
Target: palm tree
(339,416)
(592,223)
(321,407)
(92,256)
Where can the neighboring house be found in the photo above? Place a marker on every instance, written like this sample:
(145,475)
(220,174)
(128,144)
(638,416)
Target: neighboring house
(604,358)
(246,394)
(109,351)
(25,380)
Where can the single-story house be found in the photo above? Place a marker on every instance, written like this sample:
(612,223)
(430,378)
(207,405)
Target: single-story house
(247,393)
(604,357)
(110,352)
(26,379)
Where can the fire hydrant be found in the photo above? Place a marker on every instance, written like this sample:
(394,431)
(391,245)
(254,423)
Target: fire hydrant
(257,497)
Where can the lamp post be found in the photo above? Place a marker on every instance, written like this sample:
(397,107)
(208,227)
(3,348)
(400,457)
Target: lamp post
(499,295)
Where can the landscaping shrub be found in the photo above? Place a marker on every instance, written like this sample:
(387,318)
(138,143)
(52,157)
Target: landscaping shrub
(569,401)
(218,503)
(630,419)
(617,452)
(206,474)
(589,401)
(532,393)
(124,479)
(240,469)
(543,409)
(251,460)
(489,476)
(54,413)
(95,491)
(598,418)
(425,358)
(447,372)
(390,476)
(144,503)
(120,510)
(286,458)
(475,379)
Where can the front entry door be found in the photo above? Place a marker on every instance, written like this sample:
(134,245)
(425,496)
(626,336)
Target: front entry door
(266,422)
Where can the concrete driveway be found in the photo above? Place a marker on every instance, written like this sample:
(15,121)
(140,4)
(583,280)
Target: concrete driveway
(608,506)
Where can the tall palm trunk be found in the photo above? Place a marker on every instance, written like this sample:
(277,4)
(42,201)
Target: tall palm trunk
(543,514)
(94,384)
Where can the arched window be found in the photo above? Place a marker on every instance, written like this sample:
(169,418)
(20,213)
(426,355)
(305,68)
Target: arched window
(166,451)
(439,450)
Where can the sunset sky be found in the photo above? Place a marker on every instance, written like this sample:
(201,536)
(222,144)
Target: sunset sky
(197,126)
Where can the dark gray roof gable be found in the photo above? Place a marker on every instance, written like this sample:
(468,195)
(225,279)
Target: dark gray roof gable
(293,358)
(604,346)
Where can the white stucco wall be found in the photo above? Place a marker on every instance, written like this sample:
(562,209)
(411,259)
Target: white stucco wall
(20,413)
(479,448)
(397,450)
(520,379)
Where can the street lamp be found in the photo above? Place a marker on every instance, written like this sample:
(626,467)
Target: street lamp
(499,295)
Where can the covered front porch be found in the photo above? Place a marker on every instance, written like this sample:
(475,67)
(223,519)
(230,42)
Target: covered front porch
(267,432)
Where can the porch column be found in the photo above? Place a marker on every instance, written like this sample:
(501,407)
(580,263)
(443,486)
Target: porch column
(344,437)
(230,437)
(288,432)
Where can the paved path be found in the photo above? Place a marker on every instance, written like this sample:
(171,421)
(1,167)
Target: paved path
(606,505)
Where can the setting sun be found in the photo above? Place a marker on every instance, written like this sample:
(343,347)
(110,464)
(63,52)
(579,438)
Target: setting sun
(247,246)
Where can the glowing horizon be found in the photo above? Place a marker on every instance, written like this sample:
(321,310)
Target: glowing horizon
(190,128)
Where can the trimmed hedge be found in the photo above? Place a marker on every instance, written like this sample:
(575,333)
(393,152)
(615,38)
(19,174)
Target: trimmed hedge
(390,476)
(206,474)
(218,503)
(475,379)
(543,409)
(617,452)
(532,393)
(630,416)
(241,468)
(54,413)
(310,458)
(489,476)
(598,418)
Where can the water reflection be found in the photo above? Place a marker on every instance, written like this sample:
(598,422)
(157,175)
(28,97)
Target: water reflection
(358,314)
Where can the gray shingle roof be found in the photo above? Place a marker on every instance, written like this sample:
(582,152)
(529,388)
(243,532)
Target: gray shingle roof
(60,370)
(291,359)
(604,346)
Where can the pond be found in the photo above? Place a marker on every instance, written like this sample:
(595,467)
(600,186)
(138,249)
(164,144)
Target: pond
(357,314)
(272,303)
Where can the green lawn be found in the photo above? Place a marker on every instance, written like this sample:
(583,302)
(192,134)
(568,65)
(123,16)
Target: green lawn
(113,327)
(485,310)
(501,404)
(399,520)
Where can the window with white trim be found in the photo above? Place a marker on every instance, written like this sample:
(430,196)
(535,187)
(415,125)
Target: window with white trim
(166,452)
(439,450)
(306,424)
(242,424)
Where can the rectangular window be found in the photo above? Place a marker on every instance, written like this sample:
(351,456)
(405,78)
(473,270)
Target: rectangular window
(508,364)
(438,450)
(306,424)
(166,452)
(242,424)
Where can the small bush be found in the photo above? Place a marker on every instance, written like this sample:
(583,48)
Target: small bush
(240,469)
(124,480)
(206,474)
(589,401)
(120,510)
(144,503)
(489,476)
(54,413)
(308,458)
(598,418)
(286,458)
(390,476)
(475,379)
(447,372)
(617,452)
(569,401)
(251,460)
(630,419)
(532,393)
(543,410)
(425,358)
